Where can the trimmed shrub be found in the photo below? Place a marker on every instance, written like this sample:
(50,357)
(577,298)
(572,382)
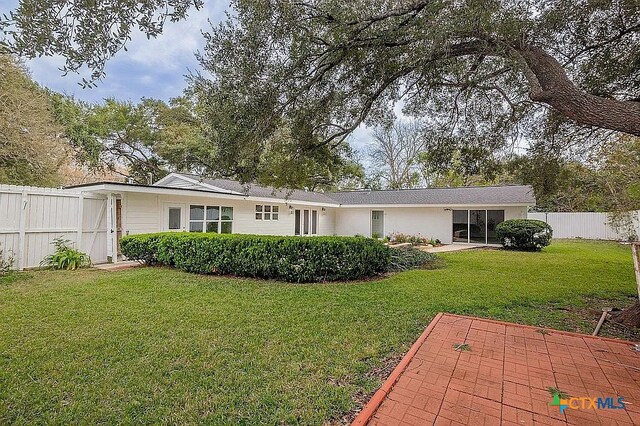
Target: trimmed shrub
(405,258)
(524,234)
(142,247)
(293,259)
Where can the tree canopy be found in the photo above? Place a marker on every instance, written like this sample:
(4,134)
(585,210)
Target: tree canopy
(31,150)
(483,72)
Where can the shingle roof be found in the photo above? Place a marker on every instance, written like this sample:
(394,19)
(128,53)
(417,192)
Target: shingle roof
(484,195)
(254,190)
(478,195)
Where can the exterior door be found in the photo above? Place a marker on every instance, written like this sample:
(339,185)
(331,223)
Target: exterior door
(306,222)
(377,223)
(118,225)
(174,218)
(476,226)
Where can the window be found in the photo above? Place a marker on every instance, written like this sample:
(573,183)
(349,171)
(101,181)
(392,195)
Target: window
(175,220)
(266,212)
(216,219)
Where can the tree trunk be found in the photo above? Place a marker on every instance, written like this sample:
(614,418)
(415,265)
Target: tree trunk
(550,84)
(629,317)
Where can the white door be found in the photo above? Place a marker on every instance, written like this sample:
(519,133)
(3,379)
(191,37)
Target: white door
(306,222)
(377,223)
(174,217)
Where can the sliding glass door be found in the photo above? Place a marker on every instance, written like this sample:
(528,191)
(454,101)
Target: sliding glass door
(460,226)
(476,226)
(494,217)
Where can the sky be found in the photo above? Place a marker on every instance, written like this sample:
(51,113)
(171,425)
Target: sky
(154,68)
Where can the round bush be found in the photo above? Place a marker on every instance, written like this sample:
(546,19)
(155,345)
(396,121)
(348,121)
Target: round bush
(524,234)
(295,259)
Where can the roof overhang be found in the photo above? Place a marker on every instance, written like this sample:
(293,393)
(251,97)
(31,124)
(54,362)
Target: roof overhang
(114,187)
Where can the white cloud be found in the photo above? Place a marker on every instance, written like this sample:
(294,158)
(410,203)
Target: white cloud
(149,67)
(175,47)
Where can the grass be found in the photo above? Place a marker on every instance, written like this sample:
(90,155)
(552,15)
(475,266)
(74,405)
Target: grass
(157,345)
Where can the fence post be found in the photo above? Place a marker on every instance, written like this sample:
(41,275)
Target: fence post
(80,221)
(24,201)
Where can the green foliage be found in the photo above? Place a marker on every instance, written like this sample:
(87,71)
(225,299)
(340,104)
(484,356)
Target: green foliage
(481,72)
(405,258)
(400,238)
(524,234)
(139,141)
(31,152)
(66,257)
(604,180)
(143,247)
(294,259)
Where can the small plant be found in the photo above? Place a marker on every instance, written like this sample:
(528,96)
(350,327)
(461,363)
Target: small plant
(6,261)
(66,257)
(400,238)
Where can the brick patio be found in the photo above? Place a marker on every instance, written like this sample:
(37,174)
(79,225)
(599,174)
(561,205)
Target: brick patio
(505,376)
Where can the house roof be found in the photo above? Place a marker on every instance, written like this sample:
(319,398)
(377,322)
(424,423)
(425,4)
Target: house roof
(483,195)
(253,190)
(473,195)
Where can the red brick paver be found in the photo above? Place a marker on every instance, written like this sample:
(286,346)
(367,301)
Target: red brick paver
(504,378)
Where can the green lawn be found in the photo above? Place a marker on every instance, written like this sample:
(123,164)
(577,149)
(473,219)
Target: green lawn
(156,345)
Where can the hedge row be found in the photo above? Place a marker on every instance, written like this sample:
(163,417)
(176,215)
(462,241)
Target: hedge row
(293,259)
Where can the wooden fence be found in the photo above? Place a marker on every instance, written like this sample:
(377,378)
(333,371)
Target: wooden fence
(593,226)
(31,218)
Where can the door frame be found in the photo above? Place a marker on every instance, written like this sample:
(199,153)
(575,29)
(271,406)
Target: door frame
(486,225)
(165,216)
(311,222)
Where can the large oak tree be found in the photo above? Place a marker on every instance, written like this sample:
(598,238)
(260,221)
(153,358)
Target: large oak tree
(488,71)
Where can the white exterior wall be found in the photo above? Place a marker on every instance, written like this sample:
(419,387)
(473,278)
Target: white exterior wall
(430,222)
(145,213)
(140,213)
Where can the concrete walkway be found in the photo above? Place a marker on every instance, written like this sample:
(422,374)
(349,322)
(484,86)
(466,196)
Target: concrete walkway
(470,371)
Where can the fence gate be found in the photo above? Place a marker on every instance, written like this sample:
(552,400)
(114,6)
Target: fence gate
(31,218)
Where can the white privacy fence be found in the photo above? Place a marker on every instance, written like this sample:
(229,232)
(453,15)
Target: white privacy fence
(593,226)
(31,218)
